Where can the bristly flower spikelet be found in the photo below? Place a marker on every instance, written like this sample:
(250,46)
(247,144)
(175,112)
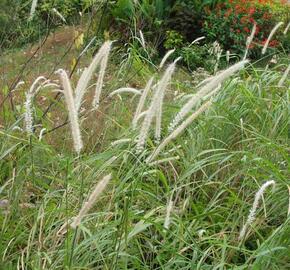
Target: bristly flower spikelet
(72,110)
(210,86)
(252,213)
(100,58)
(155,108)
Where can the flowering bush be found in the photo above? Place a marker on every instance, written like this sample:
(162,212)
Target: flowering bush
(231,22)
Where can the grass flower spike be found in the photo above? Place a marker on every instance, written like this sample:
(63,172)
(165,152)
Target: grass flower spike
(252,214)
(286,29)
(28,116)
(178,131)
(282,80)
(210,86)
(162,85)
(88,73)
(125,90)
(100,82)
(249,40)
(165,57)
(32,9)
(270,36)
(91,201)
(142,102)
(72,111)
(155,108)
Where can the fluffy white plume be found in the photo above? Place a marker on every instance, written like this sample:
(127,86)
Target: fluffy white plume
(249,40)
(142,102)
(282,80)
(125,90)
(72,111)
(286,29)
(168,214)
(28,116)
(211,85)
(252,214)
(88,73)
(59,14)
(162,85)
(101,76)
(142,39)
(32,9)
(270,36)
(155,105)
(164,59)
(177,131)
(91,201)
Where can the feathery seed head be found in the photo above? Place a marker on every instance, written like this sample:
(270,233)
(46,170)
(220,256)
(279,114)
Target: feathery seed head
(91,200)
(72,111)
(211,85)
(252,213)
(270,36)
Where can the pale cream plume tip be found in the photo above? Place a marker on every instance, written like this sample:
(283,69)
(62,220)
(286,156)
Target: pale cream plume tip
(270,36)
(252,213)
(91,200)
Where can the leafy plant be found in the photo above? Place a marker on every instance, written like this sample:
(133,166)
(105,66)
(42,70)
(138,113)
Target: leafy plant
(231,22)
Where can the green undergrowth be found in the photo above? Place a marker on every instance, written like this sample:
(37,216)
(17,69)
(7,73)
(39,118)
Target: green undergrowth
(224,157)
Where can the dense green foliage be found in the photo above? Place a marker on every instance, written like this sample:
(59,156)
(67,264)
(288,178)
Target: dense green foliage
(224,157)
(186,209)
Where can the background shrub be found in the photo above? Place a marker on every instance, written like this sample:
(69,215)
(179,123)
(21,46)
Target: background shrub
(231,22)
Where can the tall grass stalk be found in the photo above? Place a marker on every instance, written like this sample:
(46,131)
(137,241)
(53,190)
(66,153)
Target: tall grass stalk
(72,110)
(142,101)
(166,56)
(100,81)
(162,85)
(249,40)
(32,9)
(155,108)
(142,39)
(285,74)
(178,131)
(270,36)
(211,85)
(168,213)
(28,116)
(286,29)
(252,214)
(91,201)
(88,73)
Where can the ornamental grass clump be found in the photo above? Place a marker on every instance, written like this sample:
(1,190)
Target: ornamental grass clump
(206,89)
(252,214)
(161,87)
(72,110)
